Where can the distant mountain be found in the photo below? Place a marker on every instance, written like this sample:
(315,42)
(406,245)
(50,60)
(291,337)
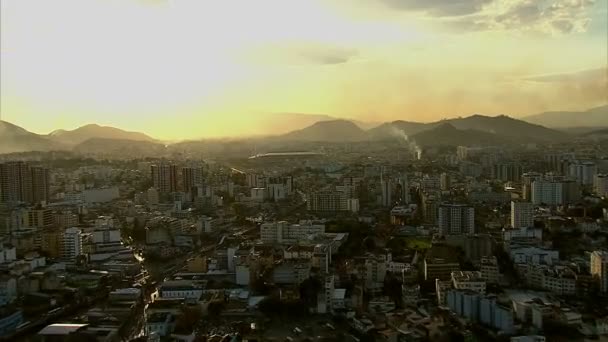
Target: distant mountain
(119,147)
(499,126)
(84,133)
(595,117)
(398,129)
(328,131)
(446,134)
(16,139)
(508,127)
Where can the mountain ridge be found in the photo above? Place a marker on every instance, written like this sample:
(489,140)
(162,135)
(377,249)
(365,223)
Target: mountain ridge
(593,117)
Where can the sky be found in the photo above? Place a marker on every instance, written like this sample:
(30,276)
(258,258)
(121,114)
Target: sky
(184,69)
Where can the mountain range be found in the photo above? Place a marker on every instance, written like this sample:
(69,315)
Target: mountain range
(16,139)
(84,133)
(472,130)
(594,117)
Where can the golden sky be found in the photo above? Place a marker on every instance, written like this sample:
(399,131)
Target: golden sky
(180,69)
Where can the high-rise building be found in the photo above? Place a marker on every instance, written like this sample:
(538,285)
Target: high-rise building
(387,192)
(403,190)
(522,214)
(430,207)
(456,219)
(547,192)
(600,184)
(583,172)
(507,172)
(41,184)
(72,243)
(331,201)
(599,269)
(164,177)
(39,218)
(20,182)
(527,180)
(191,177)
(556,161)
(445,182)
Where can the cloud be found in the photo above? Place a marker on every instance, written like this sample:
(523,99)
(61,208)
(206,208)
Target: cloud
(304,53)
(547,16)
(589,75)
(439,7)
(585,86)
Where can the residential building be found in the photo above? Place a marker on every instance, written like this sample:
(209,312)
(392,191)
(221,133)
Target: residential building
(479,308)
(547,192)
(583,172)
(507,172)
(386,186)
(600,184)
(164,177)
(72,243)
(522,215)
(20,182)
(469,280)
(191,177)
(283,232)
(456,219)
(599,269)
(439,268)
(39,218)
(489,270)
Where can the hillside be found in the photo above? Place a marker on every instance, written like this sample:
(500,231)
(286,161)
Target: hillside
(16,139)
(397,129)
(119,147)
(447,134)
(328,131)
(595,117)
(84,133)
(499,126)
(506,126)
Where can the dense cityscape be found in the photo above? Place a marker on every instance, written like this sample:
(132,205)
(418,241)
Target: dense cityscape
(375,240)
(303,170)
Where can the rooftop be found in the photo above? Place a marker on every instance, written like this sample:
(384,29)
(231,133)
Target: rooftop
(61,329)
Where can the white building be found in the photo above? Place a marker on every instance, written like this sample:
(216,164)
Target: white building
(283,232)
(180,289)
(469,280)
(521,233)
(456,219)
(522,214)
(105,235)
(72,243)
(547,192)
(534,255)
(482,309)
(599,269)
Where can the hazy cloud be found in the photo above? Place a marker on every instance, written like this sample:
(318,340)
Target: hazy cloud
(599,74)
(439,7)
(305,53)
(586,86)
(548,16)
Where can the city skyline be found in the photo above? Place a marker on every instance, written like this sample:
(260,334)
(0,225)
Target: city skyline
(188,70)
